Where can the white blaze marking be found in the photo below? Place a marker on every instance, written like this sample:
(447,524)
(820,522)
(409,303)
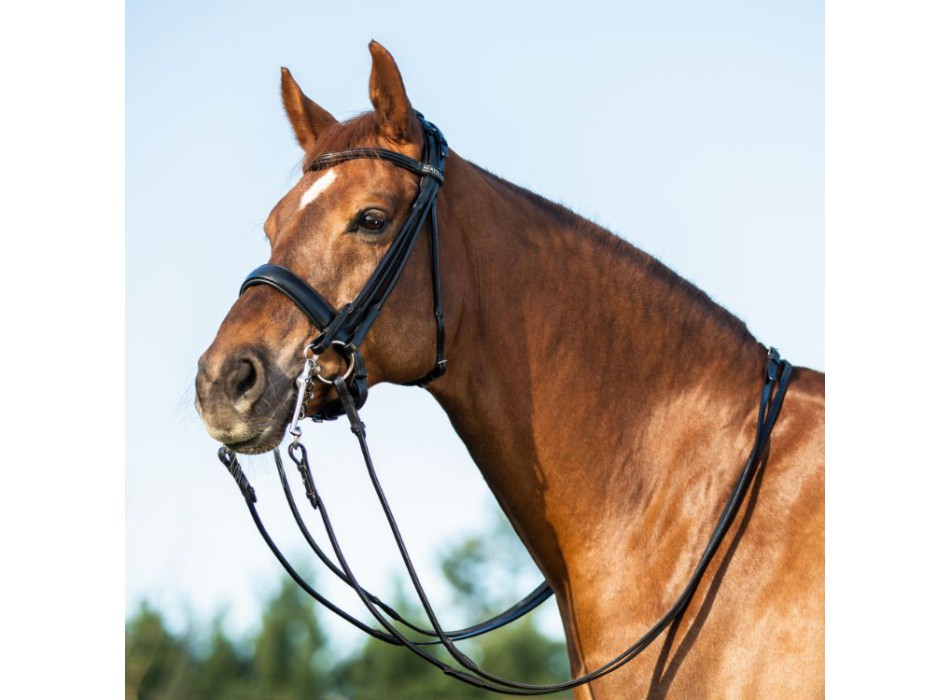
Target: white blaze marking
(317,188)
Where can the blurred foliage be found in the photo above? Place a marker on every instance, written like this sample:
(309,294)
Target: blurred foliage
(288,657)
(286,660)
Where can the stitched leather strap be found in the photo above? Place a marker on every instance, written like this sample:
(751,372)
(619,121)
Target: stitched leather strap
(403,161)
(307,299)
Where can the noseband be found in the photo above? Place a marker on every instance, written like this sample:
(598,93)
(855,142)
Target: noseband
(345,329)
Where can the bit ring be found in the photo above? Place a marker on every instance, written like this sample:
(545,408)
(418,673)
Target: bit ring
(343,351)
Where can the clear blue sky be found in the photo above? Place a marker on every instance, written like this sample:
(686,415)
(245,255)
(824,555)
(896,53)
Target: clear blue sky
(692,129)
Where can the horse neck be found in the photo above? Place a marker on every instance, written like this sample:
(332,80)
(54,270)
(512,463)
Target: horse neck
(584,376)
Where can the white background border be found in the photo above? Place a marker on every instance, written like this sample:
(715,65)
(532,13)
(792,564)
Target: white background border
(62,290)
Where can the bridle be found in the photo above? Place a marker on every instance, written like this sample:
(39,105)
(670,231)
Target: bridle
(345,330)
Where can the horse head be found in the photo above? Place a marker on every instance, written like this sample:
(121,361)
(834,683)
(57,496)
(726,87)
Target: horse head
(330,230)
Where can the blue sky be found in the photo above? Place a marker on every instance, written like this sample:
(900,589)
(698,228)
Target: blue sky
(693,130)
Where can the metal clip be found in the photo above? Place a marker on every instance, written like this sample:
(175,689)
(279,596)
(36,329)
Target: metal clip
(303,388)
(298,453)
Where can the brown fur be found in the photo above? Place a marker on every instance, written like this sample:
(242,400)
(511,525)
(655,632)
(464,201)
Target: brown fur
(608,403)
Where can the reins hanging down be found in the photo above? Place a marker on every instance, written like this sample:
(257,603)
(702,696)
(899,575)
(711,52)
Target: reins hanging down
(778,374)
(345,330)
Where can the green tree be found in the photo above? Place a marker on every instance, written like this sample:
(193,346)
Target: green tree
(287,661)
(482,571)
(288,658)
(157,664)
(224,670)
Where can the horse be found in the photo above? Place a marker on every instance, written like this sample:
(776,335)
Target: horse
(608,403)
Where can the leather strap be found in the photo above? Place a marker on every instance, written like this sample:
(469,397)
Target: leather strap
(441,364)
(778,374)
(777,377)
(403,161)
(307,299)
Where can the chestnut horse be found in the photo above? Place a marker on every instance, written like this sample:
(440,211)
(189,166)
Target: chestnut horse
(608,403)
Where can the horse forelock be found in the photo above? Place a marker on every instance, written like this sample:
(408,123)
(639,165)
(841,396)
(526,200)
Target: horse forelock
(361,131)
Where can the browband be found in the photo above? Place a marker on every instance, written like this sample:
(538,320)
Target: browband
(399,159)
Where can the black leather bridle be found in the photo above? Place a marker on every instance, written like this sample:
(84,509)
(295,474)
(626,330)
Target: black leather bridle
(345,329)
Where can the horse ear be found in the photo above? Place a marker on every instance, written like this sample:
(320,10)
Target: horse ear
(394,114)
(306,117)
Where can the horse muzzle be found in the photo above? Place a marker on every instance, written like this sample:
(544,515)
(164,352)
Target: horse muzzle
(243,399)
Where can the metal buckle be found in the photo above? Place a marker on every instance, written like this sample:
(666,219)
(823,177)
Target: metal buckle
(773,360)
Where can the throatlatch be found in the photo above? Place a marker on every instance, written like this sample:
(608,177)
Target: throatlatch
(345,330)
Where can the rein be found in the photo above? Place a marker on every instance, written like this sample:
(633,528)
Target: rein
(345,330)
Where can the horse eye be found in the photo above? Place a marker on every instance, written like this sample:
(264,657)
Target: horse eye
(372,220)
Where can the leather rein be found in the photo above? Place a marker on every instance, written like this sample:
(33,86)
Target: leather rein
(344,330)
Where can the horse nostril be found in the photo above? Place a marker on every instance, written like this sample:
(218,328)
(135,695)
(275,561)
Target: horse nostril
(245,379)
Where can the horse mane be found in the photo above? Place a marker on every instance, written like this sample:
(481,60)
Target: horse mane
(625,253)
